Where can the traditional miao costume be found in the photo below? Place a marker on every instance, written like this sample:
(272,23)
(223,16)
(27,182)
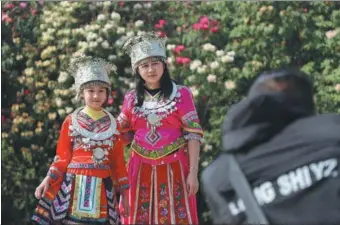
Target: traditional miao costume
(89,165)
(159,160)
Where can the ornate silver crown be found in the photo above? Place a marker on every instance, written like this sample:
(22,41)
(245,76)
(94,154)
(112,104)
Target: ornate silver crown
(144,46)
(85,69)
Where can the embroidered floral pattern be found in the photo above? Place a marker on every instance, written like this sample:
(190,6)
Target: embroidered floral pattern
(190,116)
(163,204)
(143,210)
(87,191)
(179,203)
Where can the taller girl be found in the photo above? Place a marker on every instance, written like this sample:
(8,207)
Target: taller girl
(164,159)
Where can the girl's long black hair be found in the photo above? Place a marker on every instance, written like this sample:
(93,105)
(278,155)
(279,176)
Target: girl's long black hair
(165,86)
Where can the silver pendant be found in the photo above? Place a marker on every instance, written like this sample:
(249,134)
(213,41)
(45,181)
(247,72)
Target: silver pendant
(153,119)
(98,153)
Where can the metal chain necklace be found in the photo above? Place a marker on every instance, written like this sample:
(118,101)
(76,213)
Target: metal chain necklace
(90,139)
(97,136)
(155,111)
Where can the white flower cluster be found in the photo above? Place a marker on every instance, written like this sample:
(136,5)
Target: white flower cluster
(202,69)
(115,16)
(130,34)
(170,47)
(101,17)
(195,64)
(47,52)
(120,30)
(209,47)
(170,60)
(228,57)
(40,95)
(91,36)
(105,44)
(63,77)
(137,6)
(191,78)
(211,78)
(214,65)
(139,23)
(194,90)
(29,71)
(229,84)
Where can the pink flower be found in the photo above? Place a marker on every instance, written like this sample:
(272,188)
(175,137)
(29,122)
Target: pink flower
(158,26)
(23,5)
(34,11)
(179,60)
(182,60)
(162,22)
(214,29)
(27,92)
(186,60)
(179,48)
(3,118)
(110,101)
(204,26)
(7,19)
(196,26)
(9,6)
(204,20)
(161,34)
(4,17)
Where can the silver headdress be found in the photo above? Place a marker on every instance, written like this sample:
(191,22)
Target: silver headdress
(86,69)
(144,46)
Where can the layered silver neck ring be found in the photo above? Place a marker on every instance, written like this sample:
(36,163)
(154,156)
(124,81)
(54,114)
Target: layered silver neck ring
(112,130)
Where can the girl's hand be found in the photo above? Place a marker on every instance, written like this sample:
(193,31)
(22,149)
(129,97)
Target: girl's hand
(192,183)
(125,200)
(42,188)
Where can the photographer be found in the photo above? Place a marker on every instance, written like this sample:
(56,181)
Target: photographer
(288,154)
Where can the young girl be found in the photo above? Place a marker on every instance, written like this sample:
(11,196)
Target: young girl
(79,187)
(164,159)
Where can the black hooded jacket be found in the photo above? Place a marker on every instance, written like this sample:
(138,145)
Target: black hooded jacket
(290,158)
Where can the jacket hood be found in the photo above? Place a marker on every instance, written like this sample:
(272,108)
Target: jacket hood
(258,118)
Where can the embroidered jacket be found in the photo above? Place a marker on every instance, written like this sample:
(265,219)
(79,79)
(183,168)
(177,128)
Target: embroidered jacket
(179,122)
(75,152)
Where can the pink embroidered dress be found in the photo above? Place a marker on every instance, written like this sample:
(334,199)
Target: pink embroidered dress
(159,162)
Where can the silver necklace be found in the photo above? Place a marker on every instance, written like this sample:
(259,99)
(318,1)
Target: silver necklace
(155,111)
(94,135)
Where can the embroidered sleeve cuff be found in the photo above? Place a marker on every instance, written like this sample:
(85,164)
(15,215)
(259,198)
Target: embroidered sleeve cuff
(194,136)
(53,173)
(122,179)
(123,123)
(125,186)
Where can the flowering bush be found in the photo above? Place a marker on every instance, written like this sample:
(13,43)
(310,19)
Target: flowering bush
(215,48)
